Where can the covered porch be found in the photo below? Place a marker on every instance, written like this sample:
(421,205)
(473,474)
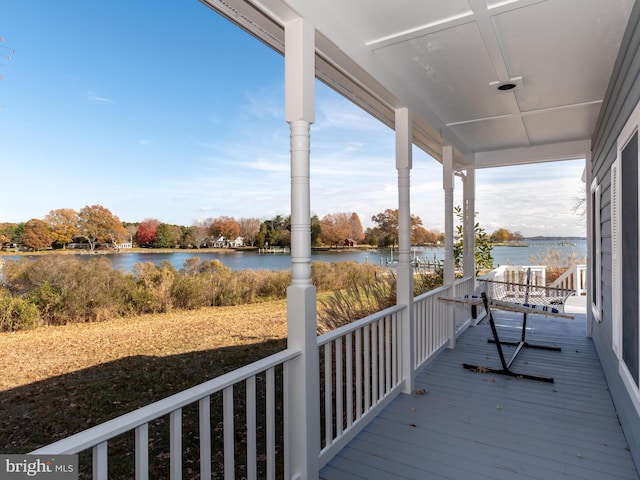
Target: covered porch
(386,396)
(461,424)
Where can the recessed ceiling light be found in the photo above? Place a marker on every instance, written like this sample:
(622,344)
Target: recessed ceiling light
(514,83)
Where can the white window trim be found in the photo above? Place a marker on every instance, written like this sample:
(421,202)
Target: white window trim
(596,263)
(631,127)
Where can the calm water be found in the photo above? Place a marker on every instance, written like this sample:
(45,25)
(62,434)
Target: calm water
(255,261)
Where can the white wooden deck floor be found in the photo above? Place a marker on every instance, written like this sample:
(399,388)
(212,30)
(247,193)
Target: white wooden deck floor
(476,426)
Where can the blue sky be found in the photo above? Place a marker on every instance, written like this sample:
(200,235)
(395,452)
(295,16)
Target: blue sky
(166,110)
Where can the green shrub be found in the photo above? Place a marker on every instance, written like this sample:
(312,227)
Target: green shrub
(157,281)
(66,289)
(16,313)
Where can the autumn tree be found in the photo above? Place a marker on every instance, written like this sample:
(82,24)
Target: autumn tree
(249,228)
(198,234)
(97,224)
(387,228)
(63,225)
(146,233)
(501,235)
(36,235)
(10,233)
(224,226)
(131,229)
(357,233)
(335,228)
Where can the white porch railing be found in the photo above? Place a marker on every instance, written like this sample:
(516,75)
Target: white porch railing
(431,329)
(575,278)
(97,438)
(360,373)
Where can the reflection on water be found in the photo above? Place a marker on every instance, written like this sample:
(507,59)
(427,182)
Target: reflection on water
(241,260)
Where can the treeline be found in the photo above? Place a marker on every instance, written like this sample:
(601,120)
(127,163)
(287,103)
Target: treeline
(62,289)
(95,226)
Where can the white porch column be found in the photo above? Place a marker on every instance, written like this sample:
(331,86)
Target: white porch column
(449,261)
(588,178)
(302,407)
(404,286)
(469,200)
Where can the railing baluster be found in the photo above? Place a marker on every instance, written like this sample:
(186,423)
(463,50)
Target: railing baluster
(270,380)
(381,355)
(229,433)
(339,395)
(349,380)
(387,353)
(142,452)
(100,461)
(394,350)
(374,363)
(204,422)
(328,391)
(175,444)
(358,373)
(252,471)
(367,369)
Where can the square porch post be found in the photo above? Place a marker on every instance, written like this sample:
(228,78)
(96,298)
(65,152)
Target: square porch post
(449,260)
(302,396)
(469,199)
(404,272)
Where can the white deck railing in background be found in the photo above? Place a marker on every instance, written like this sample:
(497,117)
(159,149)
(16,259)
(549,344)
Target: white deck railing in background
(518,274)
(360,373)
(575,278)
(138,421)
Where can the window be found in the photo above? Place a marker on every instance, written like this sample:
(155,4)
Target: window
(596,257)
(625,238)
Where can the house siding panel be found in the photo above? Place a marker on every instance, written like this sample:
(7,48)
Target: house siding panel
(623,94)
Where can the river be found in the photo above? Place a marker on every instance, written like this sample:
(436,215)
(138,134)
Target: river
(240,260)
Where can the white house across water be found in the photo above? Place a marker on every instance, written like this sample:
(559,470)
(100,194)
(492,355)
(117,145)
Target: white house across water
(475,84)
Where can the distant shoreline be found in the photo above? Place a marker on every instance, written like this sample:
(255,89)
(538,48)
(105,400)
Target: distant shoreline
(515,244)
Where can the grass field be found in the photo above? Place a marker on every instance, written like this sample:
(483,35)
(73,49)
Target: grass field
(56,381)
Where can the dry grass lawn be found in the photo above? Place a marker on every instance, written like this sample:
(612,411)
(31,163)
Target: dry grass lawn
(34,355)
(56,381)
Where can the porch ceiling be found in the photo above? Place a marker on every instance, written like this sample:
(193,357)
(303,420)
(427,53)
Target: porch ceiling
(445,59)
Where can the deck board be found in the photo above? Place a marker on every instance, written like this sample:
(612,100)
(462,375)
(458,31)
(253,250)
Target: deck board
(471,425)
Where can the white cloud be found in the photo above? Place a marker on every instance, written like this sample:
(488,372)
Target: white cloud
(93,97)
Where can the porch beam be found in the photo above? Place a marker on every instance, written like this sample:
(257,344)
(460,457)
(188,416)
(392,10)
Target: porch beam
(449,261)
(404,272)
(302,407)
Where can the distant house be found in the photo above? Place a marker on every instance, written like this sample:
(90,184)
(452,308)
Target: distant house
(238,242)
(222,242)
(348,242)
